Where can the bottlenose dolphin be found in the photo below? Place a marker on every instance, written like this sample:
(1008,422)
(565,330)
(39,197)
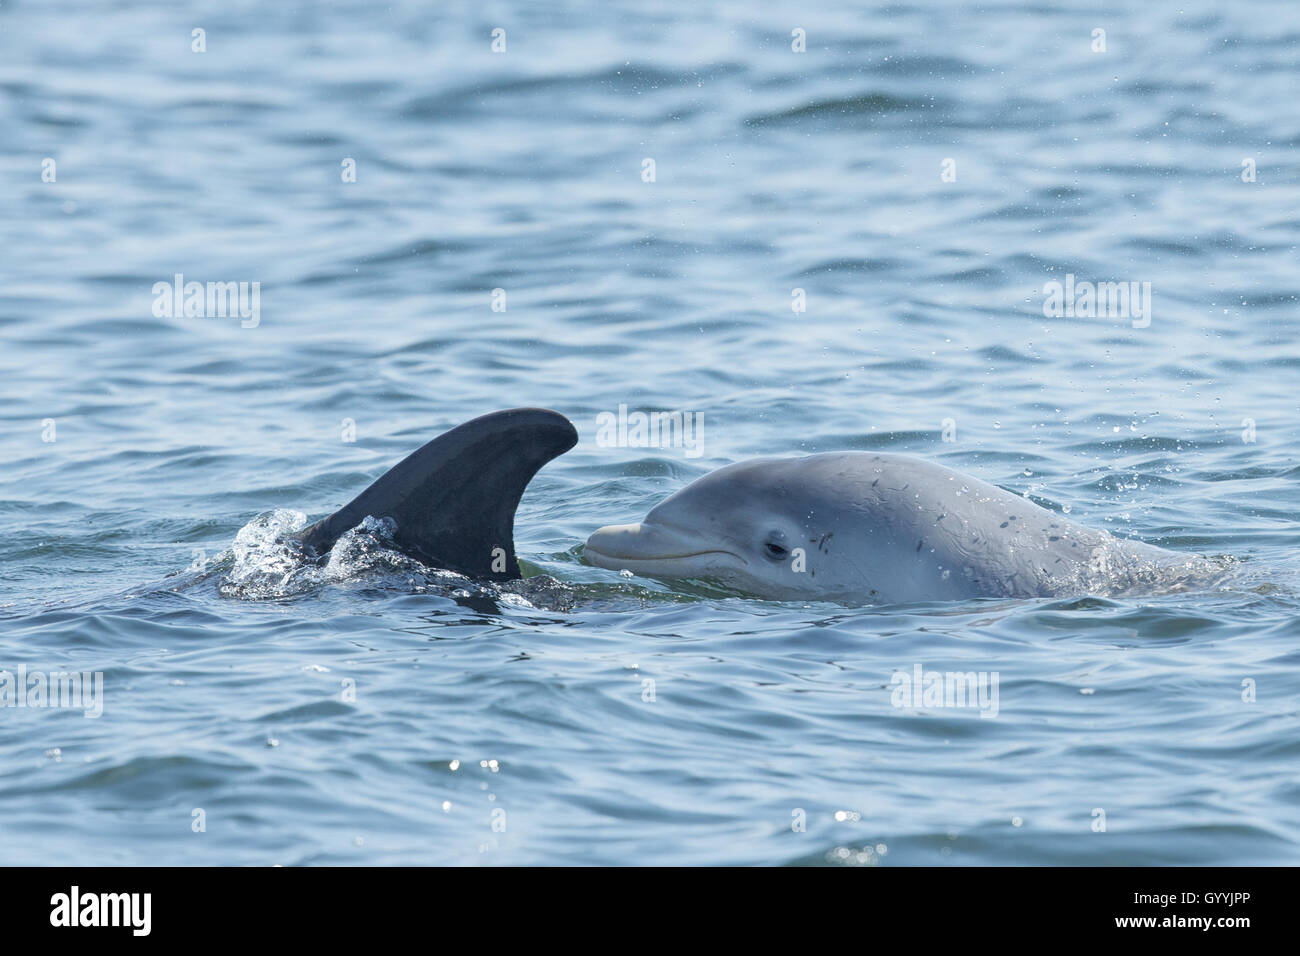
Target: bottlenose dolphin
(864,528)
(453,501)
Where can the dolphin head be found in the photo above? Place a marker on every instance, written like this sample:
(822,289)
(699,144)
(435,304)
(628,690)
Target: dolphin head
(779,528)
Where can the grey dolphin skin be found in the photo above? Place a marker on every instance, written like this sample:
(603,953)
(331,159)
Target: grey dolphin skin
(453,500)
(868,528)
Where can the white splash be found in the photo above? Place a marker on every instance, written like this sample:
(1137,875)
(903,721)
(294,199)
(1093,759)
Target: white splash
(268,563)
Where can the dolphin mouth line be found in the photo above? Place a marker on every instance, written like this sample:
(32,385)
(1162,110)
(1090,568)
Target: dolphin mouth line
(643,559)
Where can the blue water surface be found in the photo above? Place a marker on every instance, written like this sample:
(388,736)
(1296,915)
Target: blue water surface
(922,171)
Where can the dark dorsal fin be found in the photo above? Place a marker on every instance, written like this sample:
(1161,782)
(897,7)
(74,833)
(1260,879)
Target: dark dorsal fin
(454,499)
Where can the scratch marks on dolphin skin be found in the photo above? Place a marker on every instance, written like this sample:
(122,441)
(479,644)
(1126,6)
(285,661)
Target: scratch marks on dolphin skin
(823,544)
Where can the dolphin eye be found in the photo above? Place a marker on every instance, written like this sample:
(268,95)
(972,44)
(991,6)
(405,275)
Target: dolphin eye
(775,551)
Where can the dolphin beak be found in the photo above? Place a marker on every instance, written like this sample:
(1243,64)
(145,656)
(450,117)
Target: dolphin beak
(622,542)
(650,549)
